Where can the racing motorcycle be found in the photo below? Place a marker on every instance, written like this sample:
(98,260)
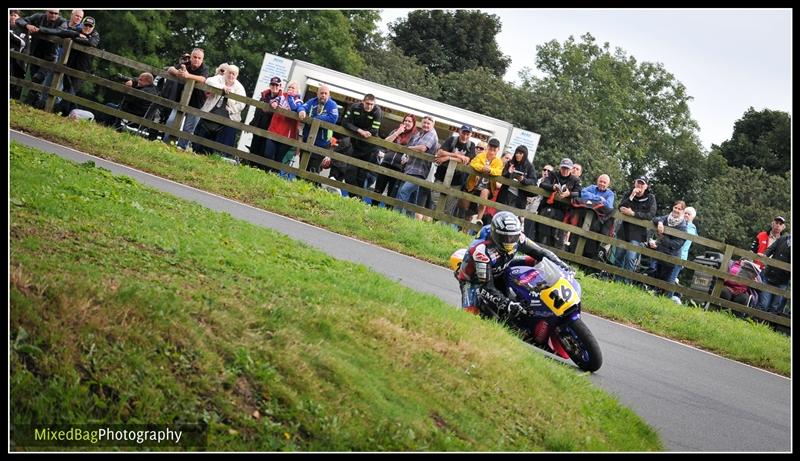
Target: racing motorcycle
(551,298)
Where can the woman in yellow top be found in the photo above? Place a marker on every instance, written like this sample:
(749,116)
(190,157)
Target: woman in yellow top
(486,162)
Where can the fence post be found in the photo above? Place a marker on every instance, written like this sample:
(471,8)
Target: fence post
(305,156)
(588,217)
(58,77)
(448,179)
(726,258)
(177,124)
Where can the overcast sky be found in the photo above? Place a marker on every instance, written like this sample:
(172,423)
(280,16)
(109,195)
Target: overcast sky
(728,59)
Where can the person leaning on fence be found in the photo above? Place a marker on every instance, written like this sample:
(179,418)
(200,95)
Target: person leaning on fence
(220,105)
(324,108)
(130,103)
(68,29)
(262,118)
(426,140)
(598,199)
(561,184)
(42,49)
(668,244)
(488,163)
(281,124)
(191,69)
(688,215)
(394,160)
(17,41)
(767,237)
(639,203)
(780,250)
(86,35)
(364,118)
(521,171)
(462,150)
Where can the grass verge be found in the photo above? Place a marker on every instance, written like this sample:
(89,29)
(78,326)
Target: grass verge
(132,306)
(746,341)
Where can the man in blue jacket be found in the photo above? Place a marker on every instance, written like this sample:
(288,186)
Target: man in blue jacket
(325,109)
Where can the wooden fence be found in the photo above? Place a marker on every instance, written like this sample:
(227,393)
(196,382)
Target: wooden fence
(307,148)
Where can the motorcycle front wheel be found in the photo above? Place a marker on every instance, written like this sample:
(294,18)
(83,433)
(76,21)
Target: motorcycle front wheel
(581,346)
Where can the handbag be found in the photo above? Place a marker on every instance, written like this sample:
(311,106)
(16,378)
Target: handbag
(221,109)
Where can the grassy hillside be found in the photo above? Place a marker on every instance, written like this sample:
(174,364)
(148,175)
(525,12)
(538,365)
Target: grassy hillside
(131,306)
(719,332)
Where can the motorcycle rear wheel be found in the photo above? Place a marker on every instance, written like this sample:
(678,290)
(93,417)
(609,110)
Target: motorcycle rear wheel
(581,346)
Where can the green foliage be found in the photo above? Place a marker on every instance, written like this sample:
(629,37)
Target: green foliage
(329,38)
(760,140)
(451,41)
(388,66)
(740,203)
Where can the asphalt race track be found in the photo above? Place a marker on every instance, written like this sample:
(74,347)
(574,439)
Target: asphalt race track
(697,401)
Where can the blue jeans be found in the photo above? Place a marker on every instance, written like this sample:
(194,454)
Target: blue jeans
(405,193)
(771,302)
(626,259)
(189,124)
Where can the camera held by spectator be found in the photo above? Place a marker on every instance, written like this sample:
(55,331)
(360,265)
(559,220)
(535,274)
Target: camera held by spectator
(185,59)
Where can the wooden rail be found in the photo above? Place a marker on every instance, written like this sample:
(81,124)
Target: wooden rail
(307,148)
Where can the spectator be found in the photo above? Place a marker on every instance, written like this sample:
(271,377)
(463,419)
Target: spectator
(486,162)
(364,118)
(461,149)
(281,124)
(17,41)
(394,160)
(781,250)
(534,202)
(577,170)
(426,140)
(521,170)
(86,35)
(325,109)
(130,103)
(262,118)
(600,200)
(68,29)
(560,185)
(689,214)
(41,49)
(765,239)
(736,292)
(221,105)
(639,203)
(193,69)
(668,244)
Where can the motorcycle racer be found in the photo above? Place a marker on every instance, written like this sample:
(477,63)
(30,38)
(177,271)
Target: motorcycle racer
(486,261)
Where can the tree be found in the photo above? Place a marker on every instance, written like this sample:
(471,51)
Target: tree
(447,42)
(760,140)
(388,66)
(740,203)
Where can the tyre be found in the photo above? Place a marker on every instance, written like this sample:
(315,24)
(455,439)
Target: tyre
(581,346)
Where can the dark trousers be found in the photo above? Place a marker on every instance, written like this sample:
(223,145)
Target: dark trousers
(545,234)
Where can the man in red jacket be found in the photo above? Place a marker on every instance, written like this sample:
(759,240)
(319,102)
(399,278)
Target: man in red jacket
(764,239)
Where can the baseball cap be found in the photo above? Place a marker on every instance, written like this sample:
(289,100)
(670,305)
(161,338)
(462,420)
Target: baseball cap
(781,219)
(88,21)
(641,179)
(275,81)
(565,163)
(466,128)
(494,142)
